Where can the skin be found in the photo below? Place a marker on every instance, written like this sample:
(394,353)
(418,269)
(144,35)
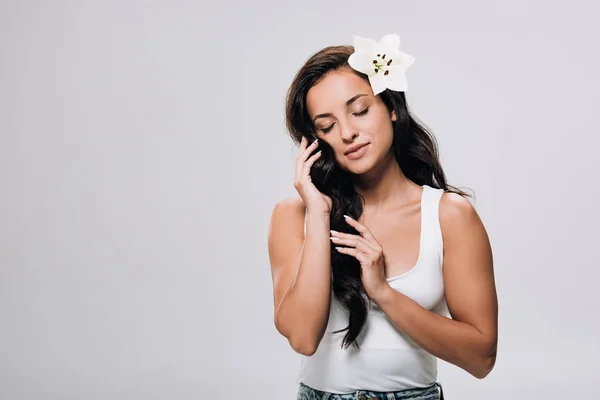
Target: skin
(392,215)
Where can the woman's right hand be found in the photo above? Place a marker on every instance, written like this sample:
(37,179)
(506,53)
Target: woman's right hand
(313,198)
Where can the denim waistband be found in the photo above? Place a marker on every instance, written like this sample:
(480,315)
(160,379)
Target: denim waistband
(307,393)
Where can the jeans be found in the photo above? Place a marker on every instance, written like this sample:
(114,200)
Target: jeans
(433,392)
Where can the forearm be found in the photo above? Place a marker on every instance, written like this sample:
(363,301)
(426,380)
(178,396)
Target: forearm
(304,310)
(453,341)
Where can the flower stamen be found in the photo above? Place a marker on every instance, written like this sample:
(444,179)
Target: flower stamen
(379,63)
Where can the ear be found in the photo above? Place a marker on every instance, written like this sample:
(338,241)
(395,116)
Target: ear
(394,118)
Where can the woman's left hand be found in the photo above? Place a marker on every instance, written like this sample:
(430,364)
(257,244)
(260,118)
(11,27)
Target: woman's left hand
(368,251)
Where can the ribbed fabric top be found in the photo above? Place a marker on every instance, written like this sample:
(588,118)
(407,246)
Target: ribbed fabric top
(389,360)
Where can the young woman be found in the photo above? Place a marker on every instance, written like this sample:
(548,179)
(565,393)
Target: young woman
(379,266)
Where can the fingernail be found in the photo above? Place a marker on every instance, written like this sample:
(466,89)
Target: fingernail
(348,217)
(333,232)
(316,141)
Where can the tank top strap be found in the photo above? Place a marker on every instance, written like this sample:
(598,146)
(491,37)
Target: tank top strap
(305,215)
(431,221)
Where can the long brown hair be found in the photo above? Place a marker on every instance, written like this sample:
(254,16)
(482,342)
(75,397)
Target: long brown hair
(415,150)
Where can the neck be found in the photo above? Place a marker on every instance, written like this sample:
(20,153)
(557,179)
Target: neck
(385,186)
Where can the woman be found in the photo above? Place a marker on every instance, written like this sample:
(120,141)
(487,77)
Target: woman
(379,266)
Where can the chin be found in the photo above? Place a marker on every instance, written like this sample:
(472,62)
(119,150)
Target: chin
(361,170)
(358,167)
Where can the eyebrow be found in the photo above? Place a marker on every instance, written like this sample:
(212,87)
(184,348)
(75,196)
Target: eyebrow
(352,100)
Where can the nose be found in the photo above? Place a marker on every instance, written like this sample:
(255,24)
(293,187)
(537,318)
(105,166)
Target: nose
(348,131)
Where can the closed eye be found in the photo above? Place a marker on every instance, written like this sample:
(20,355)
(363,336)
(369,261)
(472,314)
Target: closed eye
(363,112)
(325,130)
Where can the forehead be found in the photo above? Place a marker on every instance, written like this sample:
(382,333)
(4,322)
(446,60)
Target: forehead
(334,90)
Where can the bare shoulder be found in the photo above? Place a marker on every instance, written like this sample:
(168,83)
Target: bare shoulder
(461,225)
(458,217)
(290,210)
(285,243)
(453,205)
(295,202)
(287,218)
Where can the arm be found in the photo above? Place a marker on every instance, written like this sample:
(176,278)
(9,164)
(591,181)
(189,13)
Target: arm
(469,339)
(301,272)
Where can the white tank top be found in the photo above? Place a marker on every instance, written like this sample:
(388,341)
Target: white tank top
(389,360)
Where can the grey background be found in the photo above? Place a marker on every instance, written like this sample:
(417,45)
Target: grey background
(142,149)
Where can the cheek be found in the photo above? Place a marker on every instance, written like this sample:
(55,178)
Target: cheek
(381,132)
(376,125)
(376,117)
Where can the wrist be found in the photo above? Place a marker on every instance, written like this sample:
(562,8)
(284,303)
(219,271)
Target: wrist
(384,295)
(318,213)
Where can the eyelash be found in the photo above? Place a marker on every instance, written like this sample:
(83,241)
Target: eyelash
(363,112)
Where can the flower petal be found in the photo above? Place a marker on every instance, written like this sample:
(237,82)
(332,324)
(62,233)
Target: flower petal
(391,41)
(406,60)
(378,83)
(362,63)
(396,80)
(365,45)
(366,50)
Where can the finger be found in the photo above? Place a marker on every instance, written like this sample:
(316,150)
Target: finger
(354,253)
(301,157)
(302,147)
(344,238)
(309,149)
(309,163)
(304,153)
(305,166)
(363,230)
(372,242)
(357,244)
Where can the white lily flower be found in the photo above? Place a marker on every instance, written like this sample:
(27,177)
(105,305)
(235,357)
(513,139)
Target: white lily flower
(382,62)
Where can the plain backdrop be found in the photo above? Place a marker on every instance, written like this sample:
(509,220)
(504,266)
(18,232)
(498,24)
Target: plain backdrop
(142,149)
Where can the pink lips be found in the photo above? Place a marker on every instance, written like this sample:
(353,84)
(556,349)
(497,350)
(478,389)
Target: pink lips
(356,154)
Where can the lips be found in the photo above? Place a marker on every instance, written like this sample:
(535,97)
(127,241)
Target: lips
(355,147)
(357,154)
